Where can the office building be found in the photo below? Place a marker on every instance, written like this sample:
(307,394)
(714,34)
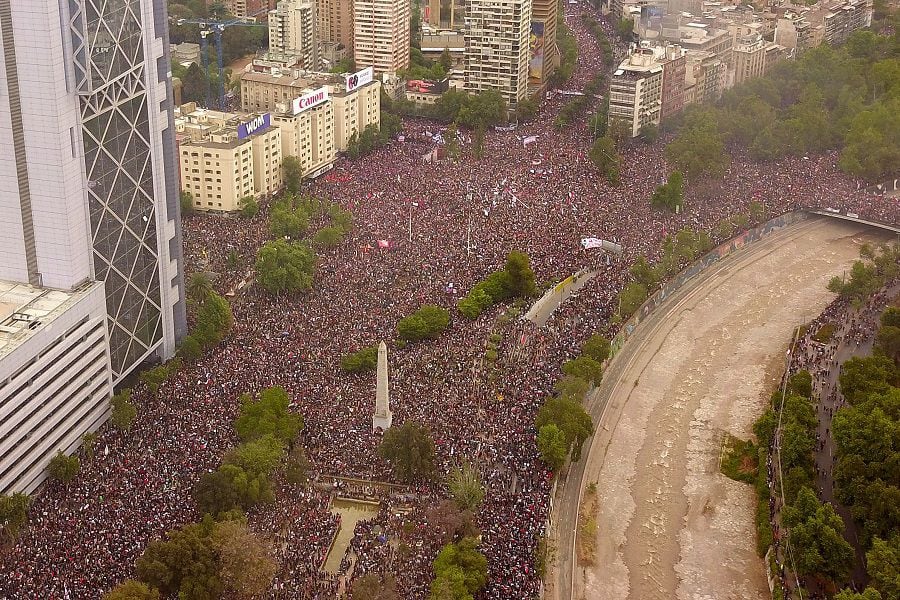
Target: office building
(292,32)
(635,91)
(497,48)
(381,34)
(356,98)
(91,245)
(226,157)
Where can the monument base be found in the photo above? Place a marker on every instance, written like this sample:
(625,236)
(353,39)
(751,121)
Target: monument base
(382,421)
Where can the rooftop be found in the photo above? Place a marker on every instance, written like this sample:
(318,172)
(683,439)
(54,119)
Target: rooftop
(25,309)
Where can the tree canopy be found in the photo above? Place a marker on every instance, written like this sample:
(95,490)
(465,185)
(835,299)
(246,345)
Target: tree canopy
(283,266)
(410,451)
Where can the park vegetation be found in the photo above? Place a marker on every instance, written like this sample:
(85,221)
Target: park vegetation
(516,280)
(427,323)
(409,449)
(460,571)
(670,195)
(265,427)
(13,516)
(678,251)
(361,360)
(843,98)
(867,275)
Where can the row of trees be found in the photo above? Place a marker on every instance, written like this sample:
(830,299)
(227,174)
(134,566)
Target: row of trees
(265,427)
(846,98)
(374,136)
(516,280)
(562,423)
(214,321)
(876,267)
(867,476)
(677,251)
(288,263)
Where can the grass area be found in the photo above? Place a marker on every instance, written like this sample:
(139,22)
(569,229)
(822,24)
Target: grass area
(825,332)
(740,460)
(587,527)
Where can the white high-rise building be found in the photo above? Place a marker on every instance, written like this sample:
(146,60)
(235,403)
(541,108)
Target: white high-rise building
(90,248)
(292,31)
(497,47)
(381,34)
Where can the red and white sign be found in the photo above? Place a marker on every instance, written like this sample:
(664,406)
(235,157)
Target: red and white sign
(359,79)
(313,98)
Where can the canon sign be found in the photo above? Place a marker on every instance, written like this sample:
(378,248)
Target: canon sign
(314,98)
(359,79)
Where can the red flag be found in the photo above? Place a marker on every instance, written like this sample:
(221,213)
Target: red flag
(384,243)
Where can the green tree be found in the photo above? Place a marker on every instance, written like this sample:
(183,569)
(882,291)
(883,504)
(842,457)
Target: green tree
(199,287)
(631,298)
(883,565)
(462,558)
(249,207)
(132,590)
(229,488)
(269,414)
(604,156)
(596,347)
(184,564)
(292,174)
(256,457)
(297,468)
(426,323)
(551,443)
(186,200)
(194,85)
(283,266)
(644,273)
(13,515)
(891,317)
(287,221)
(888,341)
(64,468)
(410,451)
(816,537)
(584,367)
(861,377)
(571,419)
(867,594)
(446,61)
(625,30)
(214,321)
(361,360)
(698,151)
(465,486)
(123,410)
(521,277)
(328,237)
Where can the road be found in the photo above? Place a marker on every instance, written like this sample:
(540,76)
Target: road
(670,526)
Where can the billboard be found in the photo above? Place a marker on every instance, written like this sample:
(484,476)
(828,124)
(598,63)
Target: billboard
(359,79)
(254,125)
(427,86)
(536,52)
(310,99)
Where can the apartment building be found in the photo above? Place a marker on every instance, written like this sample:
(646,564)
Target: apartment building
(335,22)
(226,157)
(497,48)
(307,127)
(381,34)
(635,91)
(292,32)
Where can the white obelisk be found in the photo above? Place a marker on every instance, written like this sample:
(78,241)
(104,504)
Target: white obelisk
(382,417)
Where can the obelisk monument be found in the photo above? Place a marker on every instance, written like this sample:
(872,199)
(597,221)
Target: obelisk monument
(382,417)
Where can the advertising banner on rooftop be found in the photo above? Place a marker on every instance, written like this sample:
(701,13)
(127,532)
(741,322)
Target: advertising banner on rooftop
(255,125)
(359,79)
(308,100)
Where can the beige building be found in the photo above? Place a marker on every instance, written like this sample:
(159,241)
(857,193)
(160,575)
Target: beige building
(225,157)
(497,48)
(308,133)
(749,57)
(292,32)
(445,14)
(635,91)
(356,98)
(705,77)
(381,34)
(543,53)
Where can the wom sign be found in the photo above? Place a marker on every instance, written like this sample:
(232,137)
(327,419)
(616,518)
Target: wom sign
(254,125)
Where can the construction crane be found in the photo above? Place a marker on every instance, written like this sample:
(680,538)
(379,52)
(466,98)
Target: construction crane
(214,28)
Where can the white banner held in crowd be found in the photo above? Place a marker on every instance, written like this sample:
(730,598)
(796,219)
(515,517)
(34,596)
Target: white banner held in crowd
(529,140)
(591,242)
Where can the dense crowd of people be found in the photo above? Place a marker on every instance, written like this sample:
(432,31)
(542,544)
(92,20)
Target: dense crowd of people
(447,224)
